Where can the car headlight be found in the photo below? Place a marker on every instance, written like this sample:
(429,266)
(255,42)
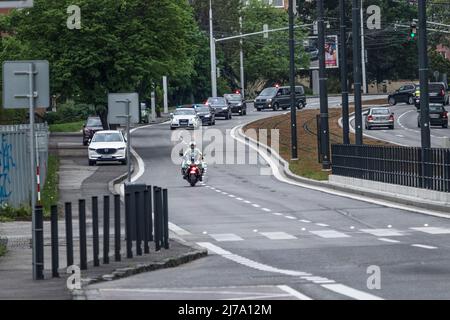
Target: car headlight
(121,149)
(207,116)
(92,149)
(269,100)
(224,108)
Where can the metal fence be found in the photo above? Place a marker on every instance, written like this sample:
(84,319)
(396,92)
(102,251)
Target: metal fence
(15,174)
(406,166)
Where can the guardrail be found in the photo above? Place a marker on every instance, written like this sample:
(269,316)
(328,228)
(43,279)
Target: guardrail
(406,166)
(143,205)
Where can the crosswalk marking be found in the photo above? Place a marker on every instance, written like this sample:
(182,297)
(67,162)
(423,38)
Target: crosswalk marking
(330,234)
(222,237)
(432,230)
(383,232)
(278,236)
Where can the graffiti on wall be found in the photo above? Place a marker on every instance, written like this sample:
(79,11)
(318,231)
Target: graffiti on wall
(6,165)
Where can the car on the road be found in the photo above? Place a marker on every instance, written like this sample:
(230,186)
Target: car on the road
(236,103)
(379,117)
(206,113)
(438,115)
(405,93)
(438,93)
(184,118)
(221,107)
(91,126)
(280,97)
(107,145)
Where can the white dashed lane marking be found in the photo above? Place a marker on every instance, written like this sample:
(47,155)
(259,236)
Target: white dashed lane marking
(383,232)
(322,225)
(330,234)
(222,237)
(266,209)
(423,246)
(291,217)
(278,235)
(389,240)
(305,221)
(432,230)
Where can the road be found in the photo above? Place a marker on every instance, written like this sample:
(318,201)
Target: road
(272,240)
(406,132)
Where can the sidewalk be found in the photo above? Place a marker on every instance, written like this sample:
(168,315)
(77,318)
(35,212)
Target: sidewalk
(76,181)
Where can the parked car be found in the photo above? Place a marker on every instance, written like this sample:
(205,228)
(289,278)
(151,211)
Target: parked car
(405,93)
(92,125)
(438,93)
(184,118)
(206,113)
(379,117)
(236,103)
(438,115)
(107,145)
(221,107)
(280,97)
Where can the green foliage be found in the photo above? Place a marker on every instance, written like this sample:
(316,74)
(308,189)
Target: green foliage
(50,194)
(8,213)
(67,127)
(438,63)
(70,112)
(122,45)
(2,249)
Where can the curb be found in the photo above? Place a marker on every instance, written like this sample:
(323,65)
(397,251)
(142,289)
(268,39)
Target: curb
(443,210)
(121,273)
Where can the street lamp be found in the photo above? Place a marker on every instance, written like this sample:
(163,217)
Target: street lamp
(212,44)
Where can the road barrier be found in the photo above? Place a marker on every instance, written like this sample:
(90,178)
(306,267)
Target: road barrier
(140,200)
(405,166)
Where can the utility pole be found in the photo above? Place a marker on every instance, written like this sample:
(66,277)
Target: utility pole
(241,56)
(363,52)
(344,80)
(423,74)
(294,151)
(213,53)
(357,71)
(324,128)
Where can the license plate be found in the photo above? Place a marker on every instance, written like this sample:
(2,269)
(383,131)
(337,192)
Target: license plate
(434,116)
(433,94)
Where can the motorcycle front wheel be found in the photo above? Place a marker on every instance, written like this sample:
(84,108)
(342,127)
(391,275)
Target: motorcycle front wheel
(192,179)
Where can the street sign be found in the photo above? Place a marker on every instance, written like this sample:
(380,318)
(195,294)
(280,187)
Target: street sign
(16,84)
(117,108)
(10,4)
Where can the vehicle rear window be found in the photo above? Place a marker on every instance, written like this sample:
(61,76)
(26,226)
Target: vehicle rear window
(435,108)
(268,92)
(233,97)
(184,112)
(94,122)
(380,111)
(436,87)
(216,101)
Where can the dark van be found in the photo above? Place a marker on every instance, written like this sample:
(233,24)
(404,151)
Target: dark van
(280,97)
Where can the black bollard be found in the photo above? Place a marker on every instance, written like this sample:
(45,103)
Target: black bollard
(55,244)
(150,213)
(106,229)
(138,225)
(69,233)
(95,237)
(165,219)
(128,226)
(117,227)
(157,222)
(39,238)
(83,244)
(145,221)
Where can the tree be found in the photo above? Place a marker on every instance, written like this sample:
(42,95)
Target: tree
(122,45)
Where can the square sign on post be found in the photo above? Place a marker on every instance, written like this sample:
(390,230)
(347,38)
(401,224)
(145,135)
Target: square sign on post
(117,108)
(10,4)
(16,84)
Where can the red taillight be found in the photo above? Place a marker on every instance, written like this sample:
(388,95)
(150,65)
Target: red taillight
(445,115)
(369,117)
(442,92)
(391,117)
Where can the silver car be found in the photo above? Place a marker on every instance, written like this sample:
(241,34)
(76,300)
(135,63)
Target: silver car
(379,117)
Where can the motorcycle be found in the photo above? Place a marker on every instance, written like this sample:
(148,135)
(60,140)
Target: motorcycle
(194,173)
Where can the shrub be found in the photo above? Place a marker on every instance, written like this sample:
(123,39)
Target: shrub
(70,112)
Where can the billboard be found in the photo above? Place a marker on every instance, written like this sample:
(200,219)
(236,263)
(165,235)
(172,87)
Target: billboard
(311,48)
(9,4)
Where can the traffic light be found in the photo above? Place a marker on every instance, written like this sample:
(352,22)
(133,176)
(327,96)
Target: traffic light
(413,32)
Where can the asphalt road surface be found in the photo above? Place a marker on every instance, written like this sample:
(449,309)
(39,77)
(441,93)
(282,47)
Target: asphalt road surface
(406,131)
(272,240)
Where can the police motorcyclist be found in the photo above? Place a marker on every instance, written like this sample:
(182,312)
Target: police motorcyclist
(192,154)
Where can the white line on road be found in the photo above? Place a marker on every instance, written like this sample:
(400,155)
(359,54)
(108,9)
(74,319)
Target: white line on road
(178,230)
(277,213)
(339,288)
(423,246)
(291,217)
(305,221)
(293,292)
(350,292)
(278,235)
(222,237)
(330,234)
(256,205)
(432,230)
(388,240)
(322,225)
(266,209)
